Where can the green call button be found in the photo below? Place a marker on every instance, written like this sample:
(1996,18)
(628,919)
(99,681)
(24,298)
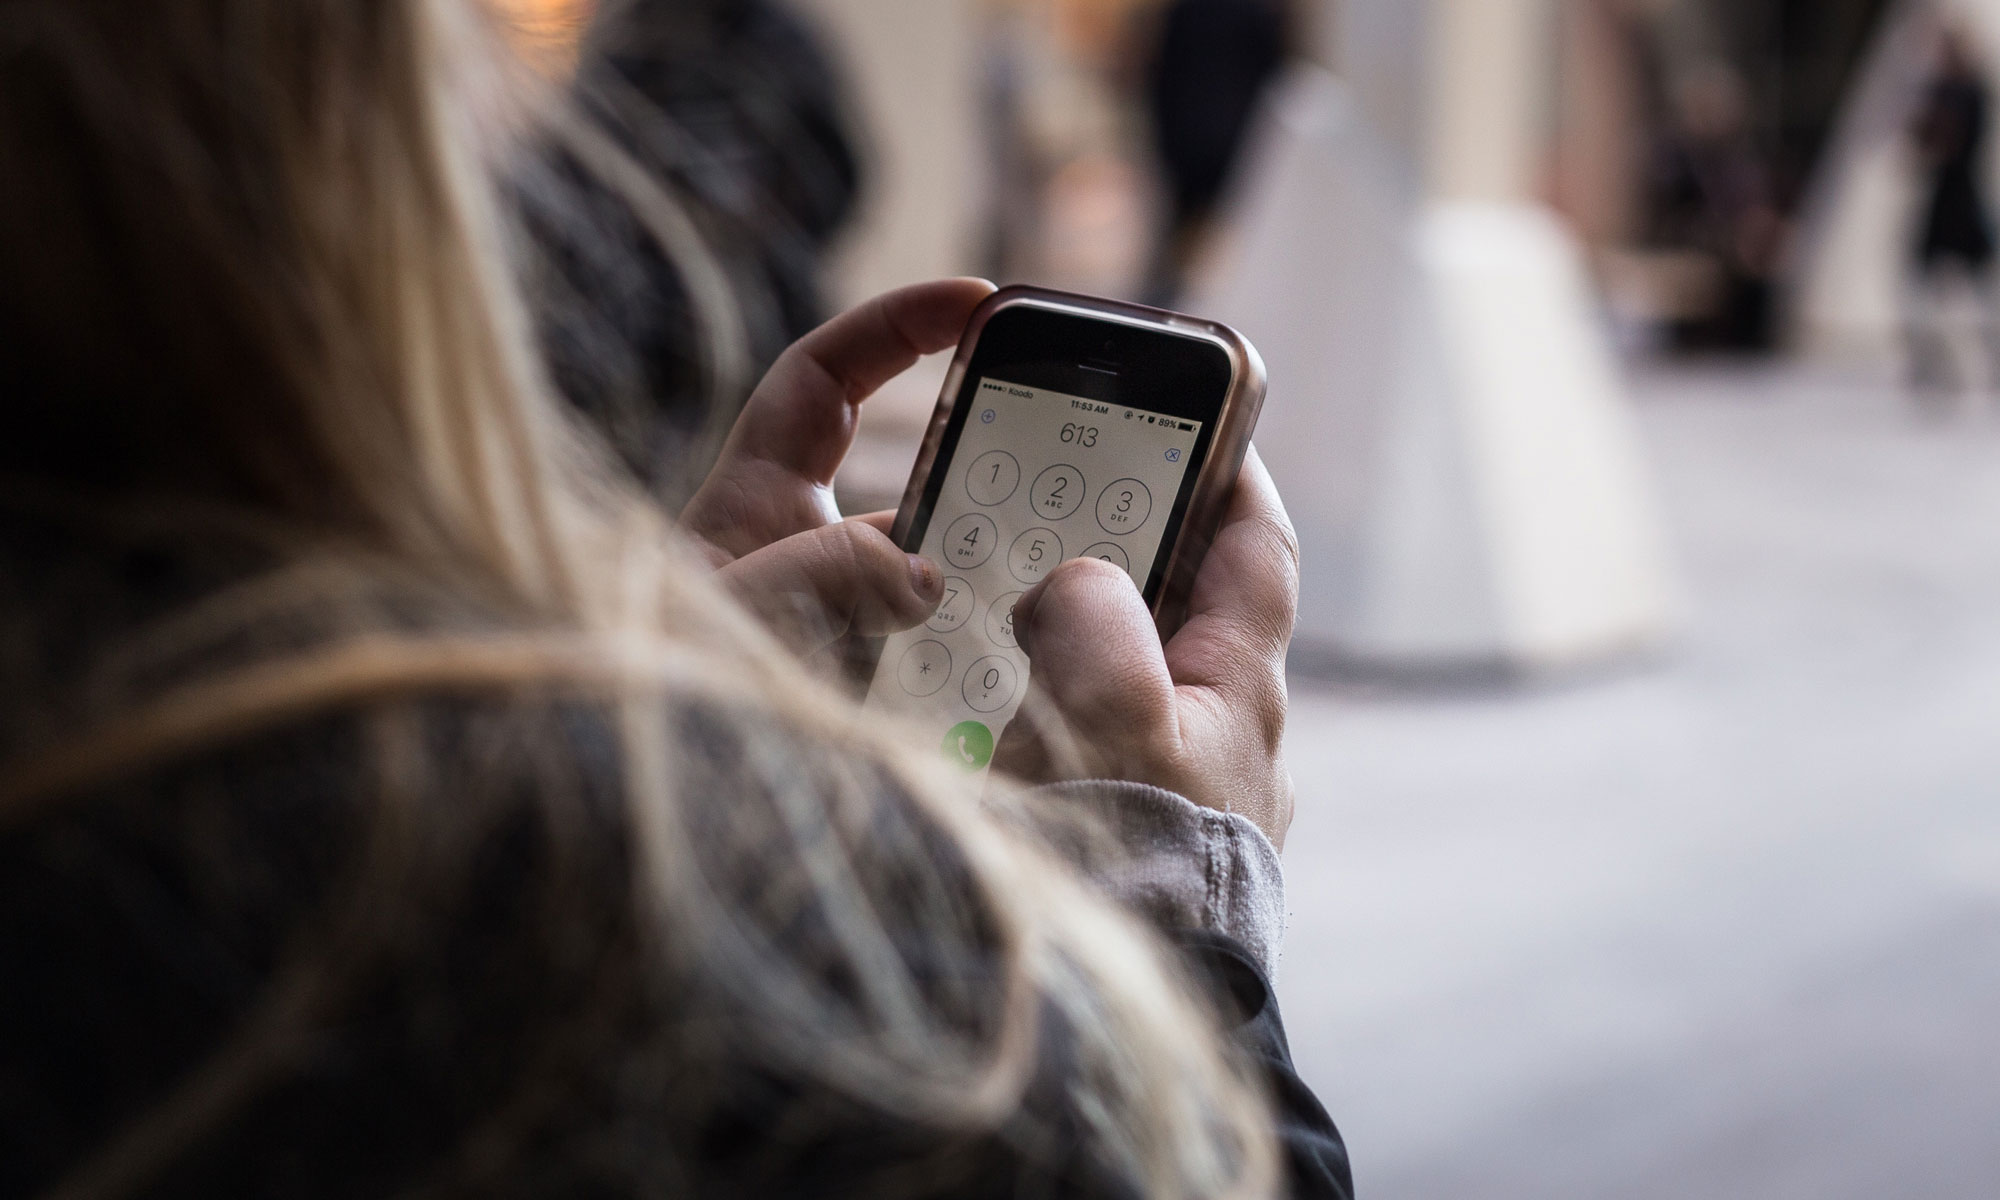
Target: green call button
(970,745)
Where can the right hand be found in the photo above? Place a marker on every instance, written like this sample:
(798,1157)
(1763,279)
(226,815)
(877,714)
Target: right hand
(1205,714)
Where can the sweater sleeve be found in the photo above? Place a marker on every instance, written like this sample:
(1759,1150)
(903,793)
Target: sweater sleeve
(1212,884)
(1182,866)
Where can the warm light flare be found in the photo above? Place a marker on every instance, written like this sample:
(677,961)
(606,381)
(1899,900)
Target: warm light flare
(547,30)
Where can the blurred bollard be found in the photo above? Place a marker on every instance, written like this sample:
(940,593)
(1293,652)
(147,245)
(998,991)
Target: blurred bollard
(1446,418)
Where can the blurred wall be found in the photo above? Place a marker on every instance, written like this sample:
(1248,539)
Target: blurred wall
(1491,98)
(1601,139)
(1376,49)
(1465,87)
(914,67)
(1447,419)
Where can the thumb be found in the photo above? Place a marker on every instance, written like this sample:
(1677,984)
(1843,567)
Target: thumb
(1095,655)
(816,587)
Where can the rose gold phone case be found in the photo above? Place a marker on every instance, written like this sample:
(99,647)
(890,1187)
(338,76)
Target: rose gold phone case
(1238,418)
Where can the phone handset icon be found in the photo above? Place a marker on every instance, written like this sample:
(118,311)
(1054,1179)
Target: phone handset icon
(970,745)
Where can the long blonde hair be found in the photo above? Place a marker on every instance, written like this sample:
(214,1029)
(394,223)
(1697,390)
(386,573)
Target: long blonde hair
(256,276)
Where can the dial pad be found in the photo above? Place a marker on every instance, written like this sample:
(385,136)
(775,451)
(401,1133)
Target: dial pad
(1025,492)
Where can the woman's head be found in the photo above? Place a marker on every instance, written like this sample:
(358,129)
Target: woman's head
(258,261)
(254,262)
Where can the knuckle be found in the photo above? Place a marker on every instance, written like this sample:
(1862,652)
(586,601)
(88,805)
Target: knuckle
(896,321)
(1076,587)
(842,549)
(1279,531)
(880,552)
(1280,606)
(1272,706)
(861,542)
(827,377)
(879,567)
(1253,699)
(1079,574)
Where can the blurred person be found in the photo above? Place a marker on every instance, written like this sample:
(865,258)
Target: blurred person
(1016,171)
(1955,244)
(739,106)
(1713,191)
(1212,62)
(394,801)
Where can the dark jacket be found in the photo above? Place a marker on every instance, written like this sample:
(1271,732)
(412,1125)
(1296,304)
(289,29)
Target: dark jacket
(482,1030)
(735,108)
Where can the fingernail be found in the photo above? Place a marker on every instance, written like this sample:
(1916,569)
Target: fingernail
(926,579)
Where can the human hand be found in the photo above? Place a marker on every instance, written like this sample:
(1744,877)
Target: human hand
(1205,714)
(846,578)
(766,515)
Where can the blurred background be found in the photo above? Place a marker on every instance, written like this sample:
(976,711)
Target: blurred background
(1636,390)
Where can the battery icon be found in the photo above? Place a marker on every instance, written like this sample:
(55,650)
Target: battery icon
(1188,425)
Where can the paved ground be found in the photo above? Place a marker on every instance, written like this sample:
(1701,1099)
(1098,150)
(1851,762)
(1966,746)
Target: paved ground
(1728,926)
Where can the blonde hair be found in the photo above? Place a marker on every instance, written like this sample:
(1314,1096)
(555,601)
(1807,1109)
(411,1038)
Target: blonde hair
(312,258)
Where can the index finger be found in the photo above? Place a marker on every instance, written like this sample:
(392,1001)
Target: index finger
(1245,598)
(802,416)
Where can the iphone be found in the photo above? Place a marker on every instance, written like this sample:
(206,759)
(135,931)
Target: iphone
(1069,427)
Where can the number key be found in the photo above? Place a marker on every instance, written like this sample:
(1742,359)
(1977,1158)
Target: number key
(1000,621)
(991,684)
(993,478)
(956,607)
(970,541)
(1033,554)
(1124,506)
(1058,492)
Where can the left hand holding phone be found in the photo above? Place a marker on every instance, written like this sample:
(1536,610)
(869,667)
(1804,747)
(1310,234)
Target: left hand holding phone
(766,515)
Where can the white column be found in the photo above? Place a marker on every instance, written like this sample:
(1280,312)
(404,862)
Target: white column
(1446,419)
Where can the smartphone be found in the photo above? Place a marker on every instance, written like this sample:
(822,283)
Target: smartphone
(1069,427)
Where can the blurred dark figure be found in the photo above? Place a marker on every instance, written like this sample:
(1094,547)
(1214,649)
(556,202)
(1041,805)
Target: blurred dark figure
(738,110)
(1956,242)
(1213,62)
(1714,193)
(1018,172)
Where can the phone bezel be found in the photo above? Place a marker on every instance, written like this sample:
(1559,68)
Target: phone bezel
(1154,351)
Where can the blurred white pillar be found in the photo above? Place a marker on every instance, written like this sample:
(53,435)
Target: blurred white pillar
(915,68)
(1447,419)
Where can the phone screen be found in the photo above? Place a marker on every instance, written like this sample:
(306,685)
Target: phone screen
(1035,477)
